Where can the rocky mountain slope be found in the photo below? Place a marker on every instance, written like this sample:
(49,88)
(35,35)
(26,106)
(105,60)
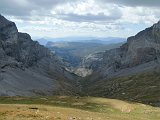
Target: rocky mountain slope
(140,52)
(27,68)
(131,72)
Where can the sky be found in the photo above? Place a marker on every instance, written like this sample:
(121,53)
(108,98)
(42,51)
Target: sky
(90,18)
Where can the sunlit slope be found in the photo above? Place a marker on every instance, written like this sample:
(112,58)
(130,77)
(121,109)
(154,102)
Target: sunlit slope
(142,87)
(74,108)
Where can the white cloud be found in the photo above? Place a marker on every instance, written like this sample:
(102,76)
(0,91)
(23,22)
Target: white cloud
(58,18)
(133,3)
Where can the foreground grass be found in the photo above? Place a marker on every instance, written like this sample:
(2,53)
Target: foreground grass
(74,108)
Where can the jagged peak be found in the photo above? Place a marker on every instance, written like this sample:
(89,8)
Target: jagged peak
(146,32)
(24,35)
(157,25)
(4,21)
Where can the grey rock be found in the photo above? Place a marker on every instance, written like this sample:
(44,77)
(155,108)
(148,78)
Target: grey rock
(27,68)
(139,50)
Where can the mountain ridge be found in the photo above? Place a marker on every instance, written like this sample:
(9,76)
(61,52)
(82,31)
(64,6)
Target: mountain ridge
(139,49)
(130,72)
(27,68)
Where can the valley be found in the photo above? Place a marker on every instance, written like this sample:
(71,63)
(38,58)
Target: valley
(74,53)
(78,78)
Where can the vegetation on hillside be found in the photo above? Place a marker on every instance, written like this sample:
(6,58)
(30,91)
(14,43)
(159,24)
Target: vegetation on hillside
(142,87)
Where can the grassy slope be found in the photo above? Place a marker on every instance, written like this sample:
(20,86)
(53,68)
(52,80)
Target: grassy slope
(143,88)
(69,108)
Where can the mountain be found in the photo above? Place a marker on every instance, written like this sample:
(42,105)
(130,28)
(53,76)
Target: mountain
(42,41)
(73,52)
(27,68)
(99,40)
(130,72)
(140,52)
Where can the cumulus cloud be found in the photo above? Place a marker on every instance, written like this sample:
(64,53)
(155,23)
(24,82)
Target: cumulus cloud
(149,3)
(29,7)
(15,7)
(81,17)
(89,17)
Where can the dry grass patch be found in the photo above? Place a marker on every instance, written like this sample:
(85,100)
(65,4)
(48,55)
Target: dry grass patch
(73,108)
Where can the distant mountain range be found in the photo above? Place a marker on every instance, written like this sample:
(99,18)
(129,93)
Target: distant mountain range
(107,40)
(74,52)
(73,49)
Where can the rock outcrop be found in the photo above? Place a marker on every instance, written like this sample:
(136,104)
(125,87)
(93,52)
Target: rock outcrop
(27,68)
(140,52)
(131,72)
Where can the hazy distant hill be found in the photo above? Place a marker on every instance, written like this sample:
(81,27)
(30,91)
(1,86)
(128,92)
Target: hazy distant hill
(107,40)
(74,52)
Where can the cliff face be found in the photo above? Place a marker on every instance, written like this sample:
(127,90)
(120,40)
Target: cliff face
(140,52)
(19,46)
(143,47)
(27,68)
(131,72)
(8,37)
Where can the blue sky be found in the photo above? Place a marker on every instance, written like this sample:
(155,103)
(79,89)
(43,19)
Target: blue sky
(93,18)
